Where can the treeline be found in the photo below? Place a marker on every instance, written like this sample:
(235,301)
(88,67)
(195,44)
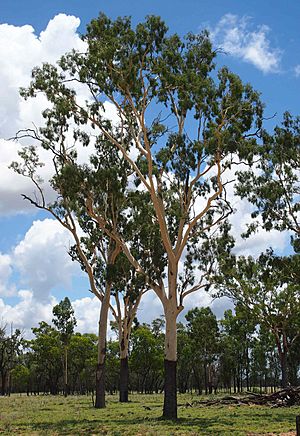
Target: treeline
(232,354)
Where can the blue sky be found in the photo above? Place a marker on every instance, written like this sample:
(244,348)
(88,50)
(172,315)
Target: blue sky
(261,40)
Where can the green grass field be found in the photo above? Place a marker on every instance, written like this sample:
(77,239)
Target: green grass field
(75,415)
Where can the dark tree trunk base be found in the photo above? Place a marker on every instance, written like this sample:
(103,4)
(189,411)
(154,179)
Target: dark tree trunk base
(100,386)
(170,397)
(124,377)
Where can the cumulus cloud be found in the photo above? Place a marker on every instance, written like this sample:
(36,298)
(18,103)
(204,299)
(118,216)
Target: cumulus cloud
(87,310)
(237,37)
(42,258)
(21,50)
(6,289)
(28,312)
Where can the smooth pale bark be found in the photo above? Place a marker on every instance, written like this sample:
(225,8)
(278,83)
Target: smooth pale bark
(100,370)
(282,347)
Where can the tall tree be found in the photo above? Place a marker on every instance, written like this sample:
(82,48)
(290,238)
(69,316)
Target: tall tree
(178,130)
(96,251)
(64,320)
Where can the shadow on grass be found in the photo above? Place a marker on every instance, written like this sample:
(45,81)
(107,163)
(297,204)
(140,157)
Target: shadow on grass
(114,425)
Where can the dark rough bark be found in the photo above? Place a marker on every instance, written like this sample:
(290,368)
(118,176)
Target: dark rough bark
(124,376)
(298,425)
(284,375)
(170,397)
(100,386)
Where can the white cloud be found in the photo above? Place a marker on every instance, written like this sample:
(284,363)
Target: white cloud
(297,70)
(20,50)
(236,37)
(27,313)
(87,312)
(42,258)
(6,289)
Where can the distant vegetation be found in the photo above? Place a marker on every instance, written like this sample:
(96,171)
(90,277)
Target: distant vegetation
(231,355)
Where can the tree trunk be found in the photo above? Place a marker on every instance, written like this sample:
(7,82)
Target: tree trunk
(100,370)
(100,386)
(66,372)
(170,397)
(170,364)
(124,376)
(283,365)
(3,384)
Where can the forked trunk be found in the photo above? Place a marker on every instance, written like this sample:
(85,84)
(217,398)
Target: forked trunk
(124,377)
(170,366)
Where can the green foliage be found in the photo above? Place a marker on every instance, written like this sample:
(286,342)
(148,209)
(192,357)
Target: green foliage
(146,358)
(275,187)
(64,320)
(268,289)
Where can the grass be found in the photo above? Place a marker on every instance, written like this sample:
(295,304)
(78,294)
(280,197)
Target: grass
(48,415)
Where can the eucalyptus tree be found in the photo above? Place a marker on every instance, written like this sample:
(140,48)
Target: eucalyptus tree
(106,176)
(271,295)
(274,186)
(65,321)
(178,129)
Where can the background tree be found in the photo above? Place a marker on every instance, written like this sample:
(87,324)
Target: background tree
(146,359)
(264,288)
(237,331)
(64,320)
(46,347)
(82,362)
(186,362)
(202,328)
(9,350)
(275,188)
